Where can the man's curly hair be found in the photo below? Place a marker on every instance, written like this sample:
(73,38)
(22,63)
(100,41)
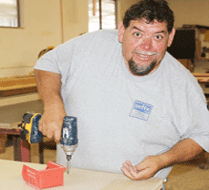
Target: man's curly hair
(150,10)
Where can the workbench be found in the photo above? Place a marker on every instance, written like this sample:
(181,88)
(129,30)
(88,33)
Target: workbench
(78,179)
(21,148)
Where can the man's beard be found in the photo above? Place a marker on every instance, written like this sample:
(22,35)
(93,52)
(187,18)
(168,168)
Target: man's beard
(140,70)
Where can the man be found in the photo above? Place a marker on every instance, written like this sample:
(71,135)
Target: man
(139,110)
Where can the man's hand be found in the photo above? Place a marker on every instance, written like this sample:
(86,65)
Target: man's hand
(144,170)
(182,151)
(51,123)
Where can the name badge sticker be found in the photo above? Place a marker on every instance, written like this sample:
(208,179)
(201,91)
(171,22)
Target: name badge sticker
(141,110)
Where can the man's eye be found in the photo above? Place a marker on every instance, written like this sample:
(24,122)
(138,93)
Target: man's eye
(158,37)
(137,34)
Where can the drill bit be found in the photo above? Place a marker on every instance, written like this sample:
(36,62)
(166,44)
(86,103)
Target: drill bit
(68,164)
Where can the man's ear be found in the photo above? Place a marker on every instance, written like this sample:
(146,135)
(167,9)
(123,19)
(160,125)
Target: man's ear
(121,31)
(171,37)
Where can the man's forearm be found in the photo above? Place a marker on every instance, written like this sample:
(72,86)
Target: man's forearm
(183,151)
(49,85)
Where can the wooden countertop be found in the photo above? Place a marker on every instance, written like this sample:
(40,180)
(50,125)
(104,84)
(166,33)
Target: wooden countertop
(79,179)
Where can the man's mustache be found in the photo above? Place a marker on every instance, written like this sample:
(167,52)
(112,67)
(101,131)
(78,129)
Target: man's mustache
(145,53)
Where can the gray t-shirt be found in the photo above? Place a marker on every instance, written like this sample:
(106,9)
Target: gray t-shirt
(121,116)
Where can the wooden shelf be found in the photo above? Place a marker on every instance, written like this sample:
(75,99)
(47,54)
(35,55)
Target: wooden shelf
(17,85)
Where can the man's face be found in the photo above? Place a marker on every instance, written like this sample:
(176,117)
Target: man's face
(144,45)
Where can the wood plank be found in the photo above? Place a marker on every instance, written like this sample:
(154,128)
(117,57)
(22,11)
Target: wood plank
(201,74)
(17,85)
(79,179)
(15,81)
(201,77)
(11,92)
(22,98)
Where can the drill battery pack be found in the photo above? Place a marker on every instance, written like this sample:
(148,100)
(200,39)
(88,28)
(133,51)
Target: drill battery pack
(29,125)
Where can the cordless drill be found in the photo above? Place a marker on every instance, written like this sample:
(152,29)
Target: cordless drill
(69,140)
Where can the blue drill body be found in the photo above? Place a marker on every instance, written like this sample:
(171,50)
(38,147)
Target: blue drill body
(69,131)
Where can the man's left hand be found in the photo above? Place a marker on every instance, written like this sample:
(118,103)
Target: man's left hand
(144,170)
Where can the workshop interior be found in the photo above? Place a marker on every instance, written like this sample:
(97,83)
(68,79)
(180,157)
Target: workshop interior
(29,28)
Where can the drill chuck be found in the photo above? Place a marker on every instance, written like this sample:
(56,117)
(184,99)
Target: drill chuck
(69,149)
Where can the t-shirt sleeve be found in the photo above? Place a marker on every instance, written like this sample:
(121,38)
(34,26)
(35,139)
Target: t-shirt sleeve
(56,60)
(199,129)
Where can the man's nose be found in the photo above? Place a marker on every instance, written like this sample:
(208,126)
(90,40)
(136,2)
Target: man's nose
(146,44)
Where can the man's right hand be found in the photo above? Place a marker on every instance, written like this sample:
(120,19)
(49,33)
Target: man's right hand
(51,123)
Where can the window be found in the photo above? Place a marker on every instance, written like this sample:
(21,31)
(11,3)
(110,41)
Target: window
(102,14)
(9,12)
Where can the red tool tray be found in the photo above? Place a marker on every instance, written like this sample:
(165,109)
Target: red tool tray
(50,177)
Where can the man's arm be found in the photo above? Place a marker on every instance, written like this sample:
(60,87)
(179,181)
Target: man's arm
(181,152)
(49,85)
